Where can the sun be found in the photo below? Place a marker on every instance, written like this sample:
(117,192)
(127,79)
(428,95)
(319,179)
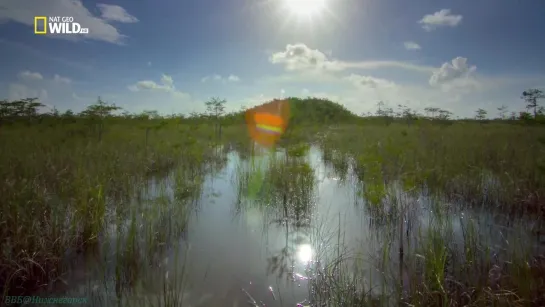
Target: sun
(306,8)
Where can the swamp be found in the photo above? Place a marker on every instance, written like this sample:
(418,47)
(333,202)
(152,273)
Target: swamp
(345,210)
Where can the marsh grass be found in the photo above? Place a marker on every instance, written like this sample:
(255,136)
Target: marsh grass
(66,189)
(433,264)
(61,184)
(428,260)
(497,165)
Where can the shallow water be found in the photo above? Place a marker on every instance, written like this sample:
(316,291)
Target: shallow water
(233,243)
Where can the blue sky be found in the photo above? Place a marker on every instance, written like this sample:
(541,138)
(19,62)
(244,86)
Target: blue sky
(172,55)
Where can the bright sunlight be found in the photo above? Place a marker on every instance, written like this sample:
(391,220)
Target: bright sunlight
(305,253)
(305,8)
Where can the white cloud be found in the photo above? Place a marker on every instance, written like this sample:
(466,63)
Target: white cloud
(99,28)
(29,76)
(299,57)
(116,13)
(167,80)
(36,76)
(18,91)
(442,18)
(148,85)
(455,74)
(369,82)
(212,77)
(412,46)
(216,77)
(167,85)
(233,78)
(454,85)
(61,80)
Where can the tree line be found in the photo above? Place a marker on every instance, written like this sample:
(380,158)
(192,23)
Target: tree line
(531,97)
(323,110)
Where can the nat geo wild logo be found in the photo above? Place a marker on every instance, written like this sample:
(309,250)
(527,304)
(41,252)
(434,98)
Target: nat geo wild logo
(57,25)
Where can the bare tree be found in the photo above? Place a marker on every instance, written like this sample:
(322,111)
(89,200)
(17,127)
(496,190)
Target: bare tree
(408,114)
(380,105)
(480,114)
(502,111)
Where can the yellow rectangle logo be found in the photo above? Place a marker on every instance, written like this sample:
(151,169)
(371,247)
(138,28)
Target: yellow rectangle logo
(37,19)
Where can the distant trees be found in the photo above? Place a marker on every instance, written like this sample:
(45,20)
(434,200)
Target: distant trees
(215,108)
(410,115)
(407,114)
(380,105)
(68,113)
(385,112)
(502,111)
(317,111)
(525,117)
(97,113)
(480,114)
(444,115)
(303,111)
(148,114)
(431,111)
(531,97)
(100,109)
(26,108)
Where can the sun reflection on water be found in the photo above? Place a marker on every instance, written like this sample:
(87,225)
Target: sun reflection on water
(304,253)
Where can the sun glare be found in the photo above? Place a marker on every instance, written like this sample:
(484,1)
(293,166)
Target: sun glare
(305,253)
(305,7)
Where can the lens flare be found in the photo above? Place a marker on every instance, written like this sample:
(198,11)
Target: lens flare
(267,122)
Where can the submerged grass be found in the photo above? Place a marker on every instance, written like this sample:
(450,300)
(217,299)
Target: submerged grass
(436,269)
(434,190)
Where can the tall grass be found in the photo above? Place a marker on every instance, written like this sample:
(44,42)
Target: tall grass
(497,165)
(63,182)
(128,191)
(437,269)
(444,257)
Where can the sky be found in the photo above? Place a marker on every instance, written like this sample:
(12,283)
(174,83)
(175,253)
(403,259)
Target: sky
(172,55)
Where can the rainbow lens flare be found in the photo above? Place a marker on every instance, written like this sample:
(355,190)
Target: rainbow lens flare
(267,122)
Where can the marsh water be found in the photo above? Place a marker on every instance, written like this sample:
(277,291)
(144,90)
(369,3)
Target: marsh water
(226,244)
